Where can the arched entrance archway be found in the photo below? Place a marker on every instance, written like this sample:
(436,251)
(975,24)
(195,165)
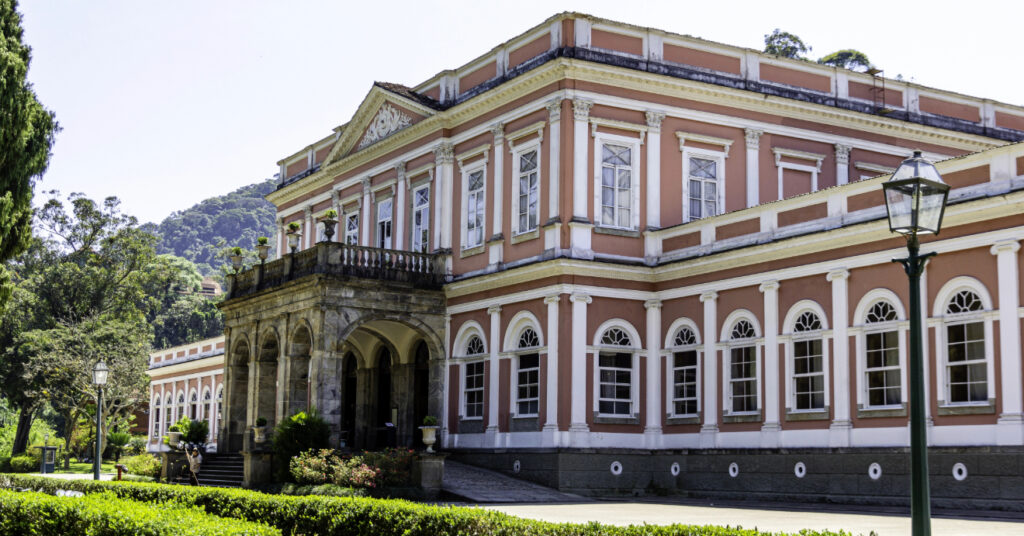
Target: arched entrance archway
(348,395)
(300,352)
(266,380)
(233,428)
(421,392)
(384,413)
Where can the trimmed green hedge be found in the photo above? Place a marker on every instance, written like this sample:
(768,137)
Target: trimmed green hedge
(105,514)
(313,515)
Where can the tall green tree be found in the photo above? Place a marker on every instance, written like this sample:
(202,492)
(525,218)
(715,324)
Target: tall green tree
(847,59)
(26,135)
(785,44)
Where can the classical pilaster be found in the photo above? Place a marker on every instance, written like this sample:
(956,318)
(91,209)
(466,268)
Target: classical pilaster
(709,430)
(447,374)
(770,429)
(552,238)
(842,163)
(366,217)
(1010,427)
(581,226)
(495,245)
(492,375)
(839,430)
(550,429)
(282,238)
(753,137)
(400,207)
(339,225)
(444,160)
(654,120)
(308,229)
(655,408)
(578,436)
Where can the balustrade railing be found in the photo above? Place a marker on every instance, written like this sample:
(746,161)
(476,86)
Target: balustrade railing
(423,270)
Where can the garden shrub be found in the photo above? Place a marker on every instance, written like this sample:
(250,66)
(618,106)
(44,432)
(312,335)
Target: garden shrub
(143,464)
(5,464)
(313,466)
(395,465)
(327,490)
(106,514)
(296,434)
(24,464)
(355,473)
(324,516)
(136,446)
(116,441)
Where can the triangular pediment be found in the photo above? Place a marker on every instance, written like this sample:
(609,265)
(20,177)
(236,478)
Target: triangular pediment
(382,114)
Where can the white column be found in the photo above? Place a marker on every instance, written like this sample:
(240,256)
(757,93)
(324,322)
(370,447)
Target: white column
(398,208)
(307,227)
(770,428)
(444,159)
(282,238)
(495,244)
(1010,427)
(492,377)
(753,137)
(578,424)
(552,238)
(709,430)
(839,430)
(654,120)
(367,214)
(339,225)
(550,429)
(447,375)
(654,411)
(580,227)
(842,163)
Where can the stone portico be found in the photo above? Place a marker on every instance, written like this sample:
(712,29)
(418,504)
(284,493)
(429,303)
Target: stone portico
(354,332)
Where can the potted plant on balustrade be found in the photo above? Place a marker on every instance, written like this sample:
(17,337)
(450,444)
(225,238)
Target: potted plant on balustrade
(259,431)
(429,430)
(173,435)
(293,235)
(329,221)
(263,248)
(236,258)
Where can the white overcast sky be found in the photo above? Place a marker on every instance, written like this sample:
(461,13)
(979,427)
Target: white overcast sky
(164,104)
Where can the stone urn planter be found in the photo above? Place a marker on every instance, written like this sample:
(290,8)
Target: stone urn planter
(259,431)
(429,436)
(173,438)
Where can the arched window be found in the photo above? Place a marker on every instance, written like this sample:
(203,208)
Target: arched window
(882,374)
(206,409)
(180,411)
(966,355)
(615,374)
(168,413)
(473,383)
(685,360)
(742,372)
(193,406)
(528,374)
(808,372)
(156,411)
(220,405)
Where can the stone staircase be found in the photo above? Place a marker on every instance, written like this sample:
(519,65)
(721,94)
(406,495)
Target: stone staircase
(221,470)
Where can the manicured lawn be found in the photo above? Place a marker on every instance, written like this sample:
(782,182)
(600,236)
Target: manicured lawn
(85,468)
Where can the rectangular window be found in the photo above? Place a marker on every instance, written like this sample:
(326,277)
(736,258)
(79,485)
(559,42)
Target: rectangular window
(421,219)
(474,390)
(352,229)
(616,186)
(528,192)
(966,366)
(883,368)
(384,224)
(684,380)
(615,373)
(743,379)
(475,209)
(808,375)
(528,388)
(702,188)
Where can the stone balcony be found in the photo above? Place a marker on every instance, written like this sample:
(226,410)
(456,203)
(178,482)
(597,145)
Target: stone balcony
(421,270)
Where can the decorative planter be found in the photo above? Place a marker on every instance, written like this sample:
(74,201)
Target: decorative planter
(329,228)
(429,436)
(173,438)
(259,434)
(236,262)
(263,251)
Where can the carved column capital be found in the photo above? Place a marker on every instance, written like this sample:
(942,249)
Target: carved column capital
(708,296)
(308,211)
(498,131)
(654,120)
(753,137)
(581,109)
(837,274)
(768,285)
(582,298)
(400,170)
(554,298)
(1010,246)
(652,304)
(494,309)
(554,110)
(444,154)
(843,154)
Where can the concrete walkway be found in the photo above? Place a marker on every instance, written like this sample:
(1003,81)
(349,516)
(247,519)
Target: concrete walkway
(484,486)
(765,519)
(74,476)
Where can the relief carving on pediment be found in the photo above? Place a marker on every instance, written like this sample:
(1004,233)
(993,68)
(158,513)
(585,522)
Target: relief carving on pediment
(387,121)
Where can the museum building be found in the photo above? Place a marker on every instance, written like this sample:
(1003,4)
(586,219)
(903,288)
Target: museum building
(619,260)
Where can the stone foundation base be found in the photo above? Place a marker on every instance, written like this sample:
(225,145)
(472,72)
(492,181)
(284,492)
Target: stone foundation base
(987,478)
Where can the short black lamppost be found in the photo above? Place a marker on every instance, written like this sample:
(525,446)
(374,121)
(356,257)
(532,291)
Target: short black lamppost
(99,378)
(915,198)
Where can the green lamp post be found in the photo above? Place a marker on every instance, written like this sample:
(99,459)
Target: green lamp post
(99,378)
(915,198)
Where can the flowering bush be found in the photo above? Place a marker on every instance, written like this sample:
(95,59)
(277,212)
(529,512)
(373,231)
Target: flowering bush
(354,473)
(395,465)
(143,464)
(314,466)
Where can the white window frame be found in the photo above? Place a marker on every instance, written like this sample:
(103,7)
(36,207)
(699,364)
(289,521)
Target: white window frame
(462,359)
(156,411)
(205,401)
(861,331)
(193,404)
(600,140)
(634,349)
(219,405)
(669,360)
(719,159)
(518,369)
(466,390)
(168,413)
(418,230)
(469,169)
(726,347)
(941,320)
(793,154)
(181,407)
(517,153)
(385,241)
(790,338)
(352,233)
